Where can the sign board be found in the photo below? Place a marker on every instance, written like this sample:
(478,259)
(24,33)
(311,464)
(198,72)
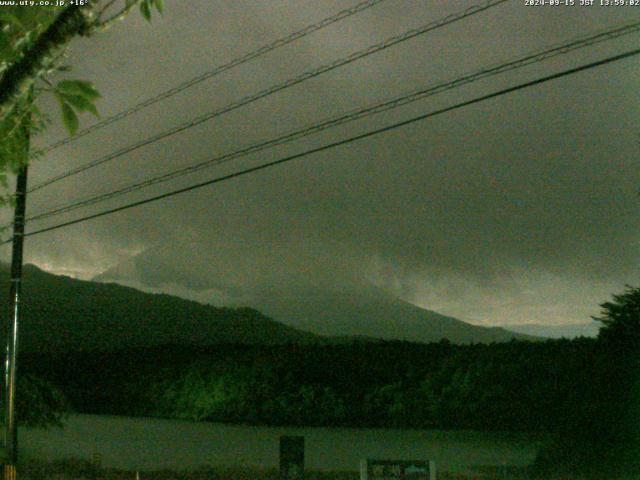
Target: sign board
(371,469)
(291,458)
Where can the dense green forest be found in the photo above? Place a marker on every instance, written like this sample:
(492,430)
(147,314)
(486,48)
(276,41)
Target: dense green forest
(514,386)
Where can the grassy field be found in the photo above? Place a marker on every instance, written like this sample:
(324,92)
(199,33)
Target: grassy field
(83,470)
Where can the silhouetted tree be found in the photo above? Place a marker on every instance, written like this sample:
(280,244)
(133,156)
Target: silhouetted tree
(620,320)
(600,438)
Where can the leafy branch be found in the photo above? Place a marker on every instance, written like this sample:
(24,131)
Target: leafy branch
(33,43)
(75,96)
(29,44)
(146,6)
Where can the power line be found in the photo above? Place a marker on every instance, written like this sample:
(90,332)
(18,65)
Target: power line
(520,62)
(389,42)
(281,42)
(371,133)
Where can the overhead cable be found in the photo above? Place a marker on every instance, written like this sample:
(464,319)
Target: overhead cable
(281,42)
(389,42)
(358,114)
(345,141)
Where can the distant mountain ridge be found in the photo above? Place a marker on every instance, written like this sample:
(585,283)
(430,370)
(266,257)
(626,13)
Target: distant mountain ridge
(372,312)
(62,313)
(324,306)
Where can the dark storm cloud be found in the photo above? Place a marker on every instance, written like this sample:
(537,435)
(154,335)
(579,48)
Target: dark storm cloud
(522,208)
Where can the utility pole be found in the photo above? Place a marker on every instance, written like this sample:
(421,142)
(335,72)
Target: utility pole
(10,423)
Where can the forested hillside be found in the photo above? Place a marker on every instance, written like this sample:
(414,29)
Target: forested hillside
(61,314)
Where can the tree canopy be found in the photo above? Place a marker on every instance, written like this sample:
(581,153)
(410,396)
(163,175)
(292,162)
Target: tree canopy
(620,319)
(33,42)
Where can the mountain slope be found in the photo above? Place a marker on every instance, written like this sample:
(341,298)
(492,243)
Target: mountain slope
(371,312)
(309,299)
(63,313)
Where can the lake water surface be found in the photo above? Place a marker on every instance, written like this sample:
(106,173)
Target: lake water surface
(150,444)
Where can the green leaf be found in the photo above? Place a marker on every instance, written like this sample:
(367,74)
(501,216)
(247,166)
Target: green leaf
(160,6)
(78,87)
(90,92)
(69,118)
(81,104)
(145,10)
(10,19)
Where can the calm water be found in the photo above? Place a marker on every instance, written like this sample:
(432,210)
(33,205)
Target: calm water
(149,444)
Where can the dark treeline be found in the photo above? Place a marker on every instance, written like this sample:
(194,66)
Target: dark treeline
(517,386)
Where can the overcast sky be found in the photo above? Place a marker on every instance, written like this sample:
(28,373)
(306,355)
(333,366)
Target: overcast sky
(520,209)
